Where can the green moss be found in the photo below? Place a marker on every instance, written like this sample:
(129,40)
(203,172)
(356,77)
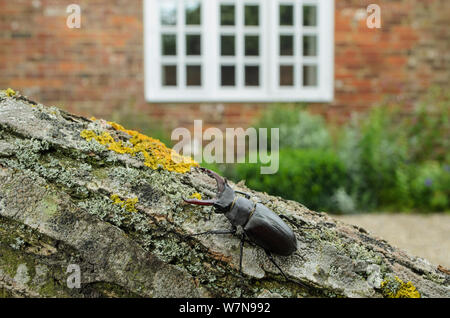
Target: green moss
(394,287)
(100,173)
(4,293)
(109,290)
(50,288)
(49,205)
(10,260)
(12,241)
(41,263)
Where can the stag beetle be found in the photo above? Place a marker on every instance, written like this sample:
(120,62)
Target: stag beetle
(260,224)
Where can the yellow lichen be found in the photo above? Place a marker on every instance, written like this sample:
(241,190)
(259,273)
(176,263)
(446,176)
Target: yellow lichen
(9,92)
(196,195)
(88,134)
(155,153)
(116,199)
(129,204)
(396,288)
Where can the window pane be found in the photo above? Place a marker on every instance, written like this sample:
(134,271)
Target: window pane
(193,13)
(286,15)
(309,75)
(251,75)
(227,45)
(309,45)
(252,45)
(193,44)
(228,75)
(193,75)
(227,15)
(251,15)
(286,45)
(286,75)
(309,16)
(169,75)
(169,44)
(168,13)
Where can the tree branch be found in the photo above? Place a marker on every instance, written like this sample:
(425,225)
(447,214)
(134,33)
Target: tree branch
(67,199)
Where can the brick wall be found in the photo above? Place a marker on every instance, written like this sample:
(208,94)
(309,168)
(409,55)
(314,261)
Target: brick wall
(98,69)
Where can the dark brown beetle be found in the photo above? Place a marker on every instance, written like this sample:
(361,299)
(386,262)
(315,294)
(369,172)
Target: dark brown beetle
(260,224)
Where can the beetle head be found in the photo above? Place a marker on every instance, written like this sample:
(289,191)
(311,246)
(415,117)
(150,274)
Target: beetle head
(225,195)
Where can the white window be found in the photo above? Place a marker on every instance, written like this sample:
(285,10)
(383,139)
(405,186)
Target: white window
(239,50)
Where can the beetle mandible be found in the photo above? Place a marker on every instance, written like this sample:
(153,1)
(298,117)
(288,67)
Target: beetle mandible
(260,224)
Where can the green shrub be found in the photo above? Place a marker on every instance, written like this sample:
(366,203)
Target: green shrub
(380,161)
(386,157)
(298,129)
(228,170)
(373,150)
(430,186)
(309,176)
(428,128)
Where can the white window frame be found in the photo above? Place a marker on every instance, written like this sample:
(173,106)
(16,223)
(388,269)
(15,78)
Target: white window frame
(269,59)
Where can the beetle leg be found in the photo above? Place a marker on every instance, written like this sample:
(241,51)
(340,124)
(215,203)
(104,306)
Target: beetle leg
(248,196)
(199,202)
(241,253)
(269,255)
(232,231)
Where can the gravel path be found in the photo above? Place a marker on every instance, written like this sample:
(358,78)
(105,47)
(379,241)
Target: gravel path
(427,236)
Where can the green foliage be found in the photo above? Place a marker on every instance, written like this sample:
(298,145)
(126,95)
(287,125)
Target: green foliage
(227,170)
(430,186)
(385,160)
(297,128)
(374,151)
(390,155)
(428,128)
(310,176)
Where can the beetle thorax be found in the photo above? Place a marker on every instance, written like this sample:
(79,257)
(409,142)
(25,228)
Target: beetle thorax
(240,211)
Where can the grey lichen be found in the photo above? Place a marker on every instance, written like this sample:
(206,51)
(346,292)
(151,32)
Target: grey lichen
(28,152)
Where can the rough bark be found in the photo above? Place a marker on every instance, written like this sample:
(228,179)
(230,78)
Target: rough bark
(57,207)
